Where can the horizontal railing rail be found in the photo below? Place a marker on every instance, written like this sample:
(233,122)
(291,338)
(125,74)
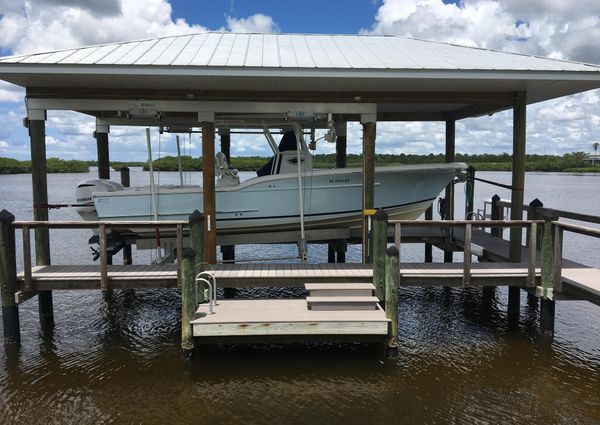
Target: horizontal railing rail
(530,225)
(101,227)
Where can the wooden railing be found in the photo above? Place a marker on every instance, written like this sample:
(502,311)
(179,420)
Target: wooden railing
(468,225)
(101,227)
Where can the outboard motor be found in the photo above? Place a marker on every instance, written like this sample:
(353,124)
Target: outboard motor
(83,195)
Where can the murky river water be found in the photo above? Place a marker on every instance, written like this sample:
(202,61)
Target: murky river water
(116,359)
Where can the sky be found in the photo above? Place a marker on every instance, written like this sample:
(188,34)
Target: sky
(549,28)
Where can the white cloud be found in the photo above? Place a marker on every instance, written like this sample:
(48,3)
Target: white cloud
(11,93)
(3,145)
(256,23)
(45,25)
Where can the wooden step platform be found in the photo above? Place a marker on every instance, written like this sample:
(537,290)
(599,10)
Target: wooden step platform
(342,303)
(339,289)
(239,318)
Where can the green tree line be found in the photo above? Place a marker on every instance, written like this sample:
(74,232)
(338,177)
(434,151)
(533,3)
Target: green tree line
(482,162)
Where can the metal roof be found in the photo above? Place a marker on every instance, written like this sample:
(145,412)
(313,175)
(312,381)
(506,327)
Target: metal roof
(293,51)
(400,75)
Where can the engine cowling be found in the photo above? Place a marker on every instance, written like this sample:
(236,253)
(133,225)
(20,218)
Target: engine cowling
(84,196)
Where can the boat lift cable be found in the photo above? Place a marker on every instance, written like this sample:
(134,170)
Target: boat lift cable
(180,168)
(299,135)
(152,188)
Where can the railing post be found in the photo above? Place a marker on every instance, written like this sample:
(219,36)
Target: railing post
(546,291)
(8,279)
(534,213)
(392,281)
(379,244)
(470,193)
(103,257)
(496,214)
(188,299)
(197,243)
(428,246)
(558,248)
(467,256)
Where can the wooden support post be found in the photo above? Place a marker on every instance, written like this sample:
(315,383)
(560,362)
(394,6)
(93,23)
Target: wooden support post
(341,246)
(225,136)
(103,257)
(228,252)
(369,130)
(379,243)
(467,256)
(8,279)
(518,173)
(341,143)
(428,246)
(392,282)
(103,155)
(196,221)
(470,194)
(535,213)
(39,171)
(208,180)
(546,291)
(126,182)
(330,252)
(558,248)
(449,196)
(188,299)
(497,213)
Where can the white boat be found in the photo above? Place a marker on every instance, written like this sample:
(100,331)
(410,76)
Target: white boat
(329,198)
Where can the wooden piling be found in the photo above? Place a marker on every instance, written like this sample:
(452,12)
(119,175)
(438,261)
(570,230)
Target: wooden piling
(39,184)
(546,291)
(188,299)
(126,182)
(225,137)
(470,194)
(518,173)
(535,213)
(497,213)
(449,195)
(392,282)
(103,155)
(379,244)
(196,221)
(340,144)
(369,130)
(8,279)
(428,246)
(208,179)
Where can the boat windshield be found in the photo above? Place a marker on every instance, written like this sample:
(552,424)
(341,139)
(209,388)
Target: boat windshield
(287,143)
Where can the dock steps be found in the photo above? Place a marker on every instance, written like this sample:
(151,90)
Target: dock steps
(339,289)
(342,303)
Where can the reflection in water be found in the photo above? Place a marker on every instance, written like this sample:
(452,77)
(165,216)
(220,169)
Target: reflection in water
(116,358)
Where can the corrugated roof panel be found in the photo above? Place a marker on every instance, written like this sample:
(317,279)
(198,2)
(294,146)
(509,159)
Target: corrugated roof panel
(318,53)
(418,54)
(223,50)
(237,56)
(186,55)
(351,53)
(270,51)
(79,55)
(155,51)
(334,53)
(118,53)
(206,51)
(58,56)
(172,52)
(303,55)
(254,57)
(98,54)
(137,52)
(389,57)
(35,58)
(287,54)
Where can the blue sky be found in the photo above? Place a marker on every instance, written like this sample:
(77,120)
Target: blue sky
(551,28)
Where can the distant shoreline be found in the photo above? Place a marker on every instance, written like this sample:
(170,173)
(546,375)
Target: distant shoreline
(570,163)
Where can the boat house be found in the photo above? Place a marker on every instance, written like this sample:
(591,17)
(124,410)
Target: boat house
(217,81)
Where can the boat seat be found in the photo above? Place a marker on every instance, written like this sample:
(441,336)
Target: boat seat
(226,176)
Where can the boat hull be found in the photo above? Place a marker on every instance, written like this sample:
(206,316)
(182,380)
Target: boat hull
(331,198)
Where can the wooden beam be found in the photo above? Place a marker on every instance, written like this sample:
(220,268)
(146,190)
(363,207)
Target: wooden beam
(208,184)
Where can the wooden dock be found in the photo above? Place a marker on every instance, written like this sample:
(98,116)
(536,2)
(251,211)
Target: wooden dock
(65,277)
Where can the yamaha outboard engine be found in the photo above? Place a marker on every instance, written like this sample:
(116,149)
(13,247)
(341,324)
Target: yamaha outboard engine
(83,195)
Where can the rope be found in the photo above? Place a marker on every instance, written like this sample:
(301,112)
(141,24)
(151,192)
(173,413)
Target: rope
(505,186)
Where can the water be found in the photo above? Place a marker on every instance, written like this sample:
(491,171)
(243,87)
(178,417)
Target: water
(116,359)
